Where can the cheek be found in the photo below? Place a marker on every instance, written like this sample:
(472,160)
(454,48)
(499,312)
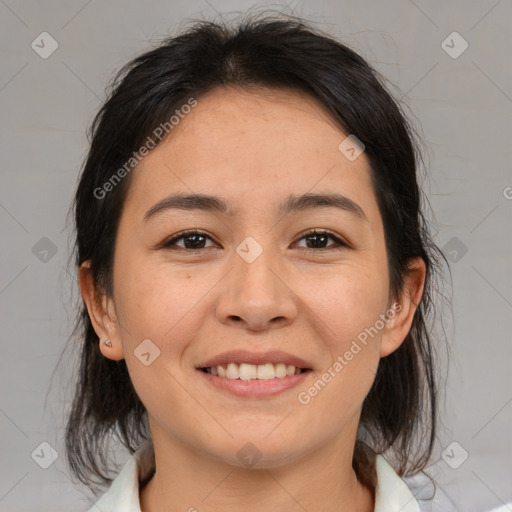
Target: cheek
(164,306)
(156,299)
(347,317)
(346,300)
(346,309)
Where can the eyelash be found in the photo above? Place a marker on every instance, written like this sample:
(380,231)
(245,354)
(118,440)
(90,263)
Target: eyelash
(340,244)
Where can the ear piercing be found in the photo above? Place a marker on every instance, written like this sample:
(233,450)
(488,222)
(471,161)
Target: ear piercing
(108,343)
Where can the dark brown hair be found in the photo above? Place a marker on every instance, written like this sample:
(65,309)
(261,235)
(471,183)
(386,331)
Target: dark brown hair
(266,52)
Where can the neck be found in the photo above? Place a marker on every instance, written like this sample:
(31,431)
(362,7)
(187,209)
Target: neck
(185,480)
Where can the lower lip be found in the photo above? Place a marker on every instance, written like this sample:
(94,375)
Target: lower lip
(255,388)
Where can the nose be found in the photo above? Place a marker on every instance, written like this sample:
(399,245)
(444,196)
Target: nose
(258,295)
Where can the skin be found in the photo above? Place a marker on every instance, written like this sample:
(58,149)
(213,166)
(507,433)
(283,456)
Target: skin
(252,148)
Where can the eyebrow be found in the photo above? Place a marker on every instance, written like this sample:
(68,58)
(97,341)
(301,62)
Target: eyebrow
(292,203)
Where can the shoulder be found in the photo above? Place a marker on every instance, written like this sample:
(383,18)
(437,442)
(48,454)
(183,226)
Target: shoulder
(429,494)
(123,493)
(392,494)
(419,493)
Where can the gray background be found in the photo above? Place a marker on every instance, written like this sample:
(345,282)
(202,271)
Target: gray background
(463,105)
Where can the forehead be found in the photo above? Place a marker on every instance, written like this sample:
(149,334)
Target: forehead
(251,144)
(226,118)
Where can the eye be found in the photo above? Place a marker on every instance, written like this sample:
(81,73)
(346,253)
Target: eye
(318,238)
(193,240)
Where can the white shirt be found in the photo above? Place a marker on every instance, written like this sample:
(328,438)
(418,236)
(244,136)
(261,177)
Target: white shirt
(391,494)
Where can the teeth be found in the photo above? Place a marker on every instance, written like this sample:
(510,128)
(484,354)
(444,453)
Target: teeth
(245,371)
(232,371)
(280,370)
(290,370)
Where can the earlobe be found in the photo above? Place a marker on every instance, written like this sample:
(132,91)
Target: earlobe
(103,322)
(400,324)
(111,350)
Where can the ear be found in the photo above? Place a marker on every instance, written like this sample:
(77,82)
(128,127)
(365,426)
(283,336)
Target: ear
(101,312)
(401,314)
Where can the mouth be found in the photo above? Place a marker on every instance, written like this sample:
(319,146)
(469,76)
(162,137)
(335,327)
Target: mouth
(249,374)
(253,381)
(247,371)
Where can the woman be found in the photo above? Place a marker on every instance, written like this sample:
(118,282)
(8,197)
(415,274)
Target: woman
(256,275)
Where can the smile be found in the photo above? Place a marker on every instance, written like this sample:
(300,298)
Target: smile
(246,371)
(253,381)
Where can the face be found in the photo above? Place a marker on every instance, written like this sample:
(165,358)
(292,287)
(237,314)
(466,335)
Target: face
(252,278)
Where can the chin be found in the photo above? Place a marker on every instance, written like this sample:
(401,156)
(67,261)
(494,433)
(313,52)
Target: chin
(259,452)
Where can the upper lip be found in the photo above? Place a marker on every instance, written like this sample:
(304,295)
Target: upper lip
(256,358)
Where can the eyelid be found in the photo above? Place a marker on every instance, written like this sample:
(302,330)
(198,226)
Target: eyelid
(183,234)
(340,242)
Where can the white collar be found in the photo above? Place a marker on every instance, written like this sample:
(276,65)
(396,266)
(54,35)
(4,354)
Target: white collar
(391,493)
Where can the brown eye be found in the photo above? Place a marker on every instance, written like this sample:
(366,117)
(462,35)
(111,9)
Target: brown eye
(316,239)
(195,240)
(192,240)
